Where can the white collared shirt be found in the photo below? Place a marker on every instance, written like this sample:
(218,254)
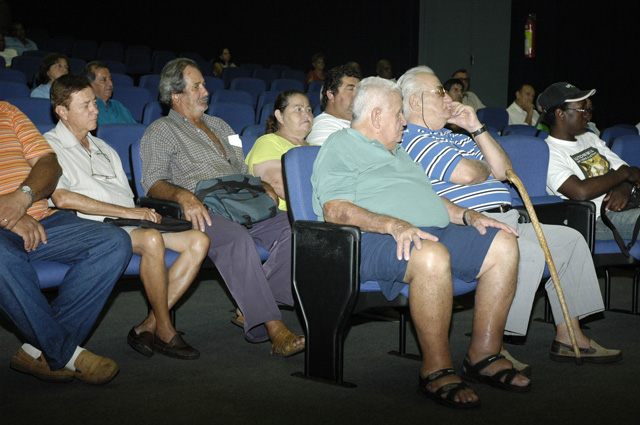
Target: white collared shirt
(83,171)
(517,115)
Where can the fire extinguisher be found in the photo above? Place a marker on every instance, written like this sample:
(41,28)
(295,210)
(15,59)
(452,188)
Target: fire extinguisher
(530,36)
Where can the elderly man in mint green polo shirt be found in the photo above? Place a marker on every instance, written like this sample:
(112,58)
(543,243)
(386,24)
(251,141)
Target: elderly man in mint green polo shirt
(363,177)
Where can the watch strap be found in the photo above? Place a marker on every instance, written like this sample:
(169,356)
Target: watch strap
(479,131)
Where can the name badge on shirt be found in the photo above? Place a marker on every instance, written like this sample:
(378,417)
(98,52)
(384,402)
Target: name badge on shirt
(234,140)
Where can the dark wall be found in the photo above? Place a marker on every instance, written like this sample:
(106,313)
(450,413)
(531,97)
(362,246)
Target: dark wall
(588,46)
(285,31)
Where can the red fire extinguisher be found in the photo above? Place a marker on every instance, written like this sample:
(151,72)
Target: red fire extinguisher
(530,36)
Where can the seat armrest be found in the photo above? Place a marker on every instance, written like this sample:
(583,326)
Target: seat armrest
(326,263)
(162,207)
(326,284)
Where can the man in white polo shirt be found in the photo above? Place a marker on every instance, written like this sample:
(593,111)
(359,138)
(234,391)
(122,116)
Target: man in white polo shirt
(338,91)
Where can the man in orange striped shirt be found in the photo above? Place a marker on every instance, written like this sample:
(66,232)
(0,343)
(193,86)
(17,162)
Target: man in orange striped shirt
(97,253)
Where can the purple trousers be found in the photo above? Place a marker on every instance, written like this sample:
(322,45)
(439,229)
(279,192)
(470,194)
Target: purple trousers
(257,288)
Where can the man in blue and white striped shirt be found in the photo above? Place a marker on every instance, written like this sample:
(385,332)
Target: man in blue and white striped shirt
(468,171)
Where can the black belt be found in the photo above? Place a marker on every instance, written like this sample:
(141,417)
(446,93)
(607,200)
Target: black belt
(500,209)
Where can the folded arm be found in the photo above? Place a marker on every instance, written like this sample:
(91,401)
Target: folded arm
(587,189)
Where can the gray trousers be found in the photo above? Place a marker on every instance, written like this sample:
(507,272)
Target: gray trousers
(257,288)
(572,259)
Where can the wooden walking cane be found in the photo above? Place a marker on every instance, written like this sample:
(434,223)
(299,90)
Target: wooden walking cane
(513,178)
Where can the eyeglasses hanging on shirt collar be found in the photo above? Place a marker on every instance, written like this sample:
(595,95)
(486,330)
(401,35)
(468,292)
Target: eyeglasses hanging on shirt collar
(101,165)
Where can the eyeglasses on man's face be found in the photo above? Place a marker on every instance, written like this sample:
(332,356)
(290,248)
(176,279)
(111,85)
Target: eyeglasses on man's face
(440,91)
(587,111)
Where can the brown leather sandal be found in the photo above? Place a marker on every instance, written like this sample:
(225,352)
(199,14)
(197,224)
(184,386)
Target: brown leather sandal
(283,344)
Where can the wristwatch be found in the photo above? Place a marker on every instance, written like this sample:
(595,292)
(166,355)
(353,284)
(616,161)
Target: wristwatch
(479,131)
(28,191)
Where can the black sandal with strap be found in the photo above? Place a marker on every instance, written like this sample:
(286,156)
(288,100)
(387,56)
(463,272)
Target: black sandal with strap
(451,390)
(472,372)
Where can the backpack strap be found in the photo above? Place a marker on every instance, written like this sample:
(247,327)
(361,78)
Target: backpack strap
(616,235)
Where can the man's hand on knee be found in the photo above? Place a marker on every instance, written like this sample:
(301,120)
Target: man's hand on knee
(194,211)
(31,231)
(405,234)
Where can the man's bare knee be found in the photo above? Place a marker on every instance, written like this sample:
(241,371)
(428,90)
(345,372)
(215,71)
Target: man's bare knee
(433,259)
(503,250)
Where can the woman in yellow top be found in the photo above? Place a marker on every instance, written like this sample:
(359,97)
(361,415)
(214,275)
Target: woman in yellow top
(287,128)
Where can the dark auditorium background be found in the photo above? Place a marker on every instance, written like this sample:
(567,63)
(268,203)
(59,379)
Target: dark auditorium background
(592,47)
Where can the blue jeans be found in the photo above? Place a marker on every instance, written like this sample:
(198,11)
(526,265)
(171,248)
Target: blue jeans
(97,253)
(624,221)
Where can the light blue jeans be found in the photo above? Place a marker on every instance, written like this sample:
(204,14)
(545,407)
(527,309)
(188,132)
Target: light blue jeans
(97,253)
(624,221)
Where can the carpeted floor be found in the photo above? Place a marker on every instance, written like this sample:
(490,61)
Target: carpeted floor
(235,382)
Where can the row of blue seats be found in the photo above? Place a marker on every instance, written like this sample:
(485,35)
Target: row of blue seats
(139,59)
(29,64)
(239,107)
(240,116)
(497,119)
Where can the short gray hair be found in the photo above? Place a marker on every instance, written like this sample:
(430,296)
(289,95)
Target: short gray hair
(371,93)
(172,78)
(411,86)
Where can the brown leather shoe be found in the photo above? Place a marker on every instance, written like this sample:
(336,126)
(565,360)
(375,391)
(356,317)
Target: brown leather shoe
(23,362)
(594,354)
(175,348)
(93,369)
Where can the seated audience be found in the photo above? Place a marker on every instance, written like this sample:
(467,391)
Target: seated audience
(221,62)
(94,184)
(53,65)
(6,52)
(455,88)
(19,40)
(189,146)
(336,102)
(522,110)
(384,70)
(363,177)
(469,97)
(468,170)
(317,73)
(285,129)
(592,125)
(111,111)
(355,65)
(581,166)
(96,254)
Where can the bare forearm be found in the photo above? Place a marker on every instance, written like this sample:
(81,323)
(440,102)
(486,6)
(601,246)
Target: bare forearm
(345,212)
(494,155)
(455,212)
(44,176)
(587,189)
(168,191)
(68,200)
